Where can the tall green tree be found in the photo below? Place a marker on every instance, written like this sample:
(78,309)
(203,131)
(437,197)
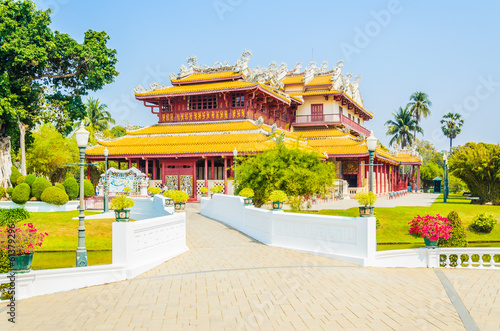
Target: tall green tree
(452,126)
(36,63)
(419,107)
(96,117)
(402,126)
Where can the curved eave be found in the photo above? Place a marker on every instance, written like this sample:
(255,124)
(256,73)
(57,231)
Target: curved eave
(181,82)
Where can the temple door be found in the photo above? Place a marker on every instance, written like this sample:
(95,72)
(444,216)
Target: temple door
(179,177)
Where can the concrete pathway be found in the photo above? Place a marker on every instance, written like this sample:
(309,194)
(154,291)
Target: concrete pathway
(228,281)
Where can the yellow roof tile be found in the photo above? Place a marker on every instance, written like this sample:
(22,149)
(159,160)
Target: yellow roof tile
(320,80)
(207,76)
(290,80)
(195,127)
(321,133)
(172,90)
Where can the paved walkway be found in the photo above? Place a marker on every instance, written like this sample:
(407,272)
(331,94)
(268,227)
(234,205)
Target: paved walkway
(228,281)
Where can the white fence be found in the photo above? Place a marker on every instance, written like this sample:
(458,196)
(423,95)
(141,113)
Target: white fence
(350,239)
(157,236)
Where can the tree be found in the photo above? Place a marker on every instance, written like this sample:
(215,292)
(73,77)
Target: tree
(428,172)
(50,152)
(37,63)
(118,131)
(297,172)
(478,165)
(419,106)
(96,117)
(452,126)
(402,126)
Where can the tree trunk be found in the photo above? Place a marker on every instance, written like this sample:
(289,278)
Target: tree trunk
(22,134)
(5,162)
(451,139)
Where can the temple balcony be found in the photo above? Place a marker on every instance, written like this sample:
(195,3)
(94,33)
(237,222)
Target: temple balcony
(329,119)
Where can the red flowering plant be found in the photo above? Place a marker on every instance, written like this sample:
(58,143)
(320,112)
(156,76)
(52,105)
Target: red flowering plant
(431,227)
(21,240)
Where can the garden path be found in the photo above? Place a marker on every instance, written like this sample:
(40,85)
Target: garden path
(230,281)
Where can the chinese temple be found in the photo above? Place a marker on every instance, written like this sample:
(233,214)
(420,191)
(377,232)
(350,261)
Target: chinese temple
(210,115)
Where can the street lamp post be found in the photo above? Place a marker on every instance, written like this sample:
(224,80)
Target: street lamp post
(106,202)
(235,154)
(445,194)
(371,143)
(82,138)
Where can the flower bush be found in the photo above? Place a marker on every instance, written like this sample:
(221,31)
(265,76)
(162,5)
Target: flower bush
(154,190)
(21,240)
(204,189)
(121,202)
(278,196)
(167,194)
(482,223)
(431,227)
(179,196)
(246,192)
(216,189)
(365,198)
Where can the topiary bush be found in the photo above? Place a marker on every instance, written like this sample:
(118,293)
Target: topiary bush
(21,193)
(60,186)
(482,223)
(15,174)
(20,180)
(88,188)
(39,186)
(9,191)
(2,192)
(458,237)
(30,179)
(154,190)
(72,188)
(55,196)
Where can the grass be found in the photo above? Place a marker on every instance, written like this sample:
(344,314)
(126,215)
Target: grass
(63,231)
(394,226)
(55,260)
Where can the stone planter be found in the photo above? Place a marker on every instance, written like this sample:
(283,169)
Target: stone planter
(122,215)
(430,243)
(169,202)
(248,201)
(277,205)
(366,211)
(179,206)
(21,263)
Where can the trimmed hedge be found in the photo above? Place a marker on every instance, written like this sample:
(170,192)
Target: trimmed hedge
(60,186)
(72,188)
(2,192)
(20,180)
(39,186)
(458,237)
(55,196)
(88,188)
(15,174)
(9,191)
(21,193)
(30,179)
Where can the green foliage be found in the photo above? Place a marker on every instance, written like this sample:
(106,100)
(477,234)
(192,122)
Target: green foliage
(167,194)
(4,267)
(127,189)
(204,189)
(50,152)
(15,174)
(278,196)
(72,188)
(482,223)
(121,202)
(456,185)
(428,172)
(2,192)
(20,180)
(39,186)
(297,172)
(216,189)
(419,105)
(96,118)
(60,186)
(118,131)
(30,179)
(365,198)
(452,126)
(21,194)
(478,166)
(179,196)
(55,196)
(247,192)
(88,188)
(13,215)
(9,191)
(154,190)
(402,126)
(458,237)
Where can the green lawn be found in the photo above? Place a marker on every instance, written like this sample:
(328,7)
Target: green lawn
(63,231)
(394,226)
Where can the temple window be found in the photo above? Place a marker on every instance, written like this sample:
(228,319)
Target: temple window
(238,100)
(197,102)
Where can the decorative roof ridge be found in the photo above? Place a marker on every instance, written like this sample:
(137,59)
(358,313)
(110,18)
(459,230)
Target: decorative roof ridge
(183,134)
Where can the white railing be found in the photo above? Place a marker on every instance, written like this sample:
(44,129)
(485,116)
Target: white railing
(470,258)
(155,183)
(354,190)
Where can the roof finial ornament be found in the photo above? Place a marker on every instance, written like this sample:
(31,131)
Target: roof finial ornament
(337,78)
(297,68)
(324,67)
(260,121)
(192,62)
(139,89)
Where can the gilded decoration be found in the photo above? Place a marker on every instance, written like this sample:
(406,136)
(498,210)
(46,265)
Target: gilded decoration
(186,184)
(350,167)
(171,182)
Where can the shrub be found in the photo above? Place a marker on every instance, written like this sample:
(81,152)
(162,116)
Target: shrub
(55,196)
(71,187)
(278,196)
(204,189)
(216,189)
(432,227)
(154,190)
(11,216)
(179,196)
(60,186)
(246,192)
(21,193)
(482,223)
(127,189)
(2,192)
(458,237)
(9,191)
(20,180)
(39,186)
(121,202)
(15,174)
(88,188)
(30,179)
(365,198)
(167,194)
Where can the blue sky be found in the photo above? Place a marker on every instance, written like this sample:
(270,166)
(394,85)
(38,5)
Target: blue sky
(448,49)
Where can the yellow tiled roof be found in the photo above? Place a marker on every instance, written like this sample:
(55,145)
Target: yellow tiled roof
(408,158)
(207,76)
(195,128)
(339,146)
(199,88)
(321,92)
(321,133)
(292,80)
(321,80)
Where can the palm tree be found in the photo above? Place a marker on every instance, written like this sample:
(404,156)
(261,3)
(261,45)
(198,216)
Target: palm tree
(419,106)
(402,127)
(96,118)
(452,126)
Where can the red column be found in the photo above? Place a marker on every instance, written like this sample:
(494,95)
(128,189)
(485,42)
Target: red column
(225,175)
(359,172)
(212,170)
(88,172)
(147,167)
(418,179)
(162,166)
(206,172)
(129,163)
(154,170)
